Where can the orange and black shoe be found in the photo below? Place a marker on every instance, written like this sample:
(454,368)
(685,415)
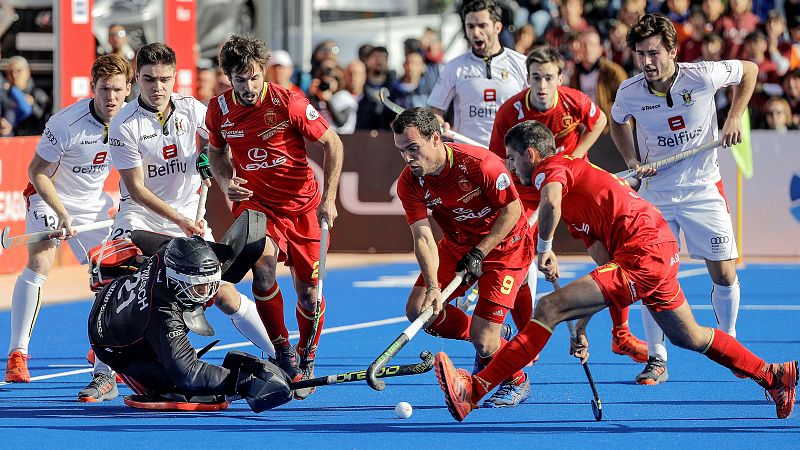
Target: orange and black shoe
(625,343)
(654,372)
(784,387)
(307,367)
(17,368)
(102,387)
(457,387)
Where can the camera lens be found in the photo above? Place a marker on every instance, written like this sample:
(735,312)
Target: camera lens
(323,86)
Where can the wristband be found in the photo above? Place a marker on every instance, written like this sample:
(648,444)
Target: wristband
(432,288)
(543,246)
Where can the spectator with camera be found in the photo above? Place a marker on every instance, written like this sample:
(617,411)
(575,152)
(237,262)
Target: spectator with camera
(33,105)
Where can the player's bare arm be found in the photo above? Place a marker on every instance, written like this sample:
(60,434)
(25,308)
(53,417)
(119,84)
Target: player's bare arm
(549,215)
(332,166)
(732,129)
(39,172)
(505,222)
(428,258)
(589,137)
(222,168)
(134,182)
(622,135)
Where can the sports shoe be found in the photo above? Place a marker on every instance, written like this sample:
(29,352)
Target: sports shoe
(308,373)
(17,368)
(784,388)
(457,386)
(102,387)
(509,394)
(625,343)
(90,356)
(655,371)
(286,359)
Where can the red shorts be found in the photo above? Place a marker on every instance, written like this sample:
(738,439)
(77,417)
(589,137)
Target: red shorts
(501,277)
(297,238)
(647,272)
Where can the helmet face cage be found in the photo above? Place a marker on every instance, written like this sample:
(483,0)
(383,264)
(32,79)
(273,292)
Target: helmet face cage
(193,271)
(193,290)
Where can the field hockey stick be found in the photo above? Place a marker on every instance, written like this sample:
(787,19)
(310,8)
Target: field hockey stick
(323,255)
(597,406)
(204,169)
(630,173)
(407,334)
(360,375)
(39,236)
(383,96)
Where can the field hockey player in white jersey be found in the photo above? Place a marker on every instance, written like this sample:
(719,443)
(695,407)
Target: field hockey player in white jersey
(673,104)
(67,174)
(153,145)
(480,80)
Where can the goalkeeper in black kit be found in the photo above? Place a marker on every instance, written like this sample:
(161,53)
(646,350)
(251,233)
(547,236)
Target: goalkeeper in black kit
(138,326)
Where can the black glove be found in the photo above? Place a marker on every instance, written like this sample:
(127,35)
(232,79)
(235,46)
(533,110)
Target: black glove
(471,264)
(203,166)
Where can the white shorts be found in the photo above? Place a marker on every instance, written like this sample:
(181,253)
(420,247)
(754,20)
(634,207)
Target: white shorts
(41,217)
(132,216)
(702,213)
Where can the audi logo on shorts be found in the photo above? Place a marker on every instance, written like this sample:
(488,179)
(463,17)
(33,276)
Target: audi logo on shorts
(257,154)
(716,240)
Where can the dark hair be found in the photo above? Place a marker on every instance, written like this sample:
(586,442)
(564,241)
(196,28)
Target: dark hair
(712,37)
(495,13)
(755,36)
(531,134)
(653,25)
(154,54)
(378,49)
(240,51)
(109,65)
(543,55)
(420,118)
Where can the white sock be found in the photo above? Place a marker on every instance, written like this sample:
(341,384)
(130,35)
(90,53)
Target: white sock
(655,337)
(248,323)
(725,300)
(25,303)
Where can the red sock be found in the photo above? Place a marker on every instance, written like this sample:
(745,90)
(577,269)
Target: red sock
(305,323)
(510,359)
(452,323)
(523,307)
(727,351)
(269,305)
(517,378)
(619,317)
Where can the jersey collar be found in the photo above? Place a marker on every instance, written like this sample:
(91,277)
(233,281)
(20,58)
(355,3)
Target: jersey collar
(488,58)
(164,121)
(667,94)
(258,102)
(99,120)
(531,108)
(450,159)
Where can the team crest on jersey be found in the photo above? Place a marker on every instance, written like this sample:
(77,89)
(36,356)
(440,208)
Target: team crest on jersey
(180,127)
(686,95)
(464,184)
(566,120)
(504,75)
(270,118)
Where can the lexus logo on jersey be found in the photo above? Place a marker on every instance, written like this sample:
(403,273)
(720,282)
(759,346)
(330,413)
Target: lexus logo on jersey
(257,154)
(170,151)
(676,123)
(100,158)
(490,95)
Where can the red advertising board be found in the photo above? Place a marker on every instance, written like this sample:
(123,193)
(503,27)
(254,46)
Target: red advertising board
(74,52)
(180,31)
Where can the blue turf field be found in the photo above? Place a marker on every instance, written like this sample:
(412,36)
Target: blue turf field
(702,405)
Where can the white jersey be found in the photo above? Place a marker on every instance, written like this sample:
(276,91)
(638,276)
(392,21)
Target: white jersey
(691,121)
(75,139)
(477,87)
(167,154)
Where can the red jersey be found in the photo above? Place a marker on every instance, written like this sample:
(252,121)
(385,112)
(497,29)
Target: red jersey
(266,141)
(465,198)
(598,206)
(572,108)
